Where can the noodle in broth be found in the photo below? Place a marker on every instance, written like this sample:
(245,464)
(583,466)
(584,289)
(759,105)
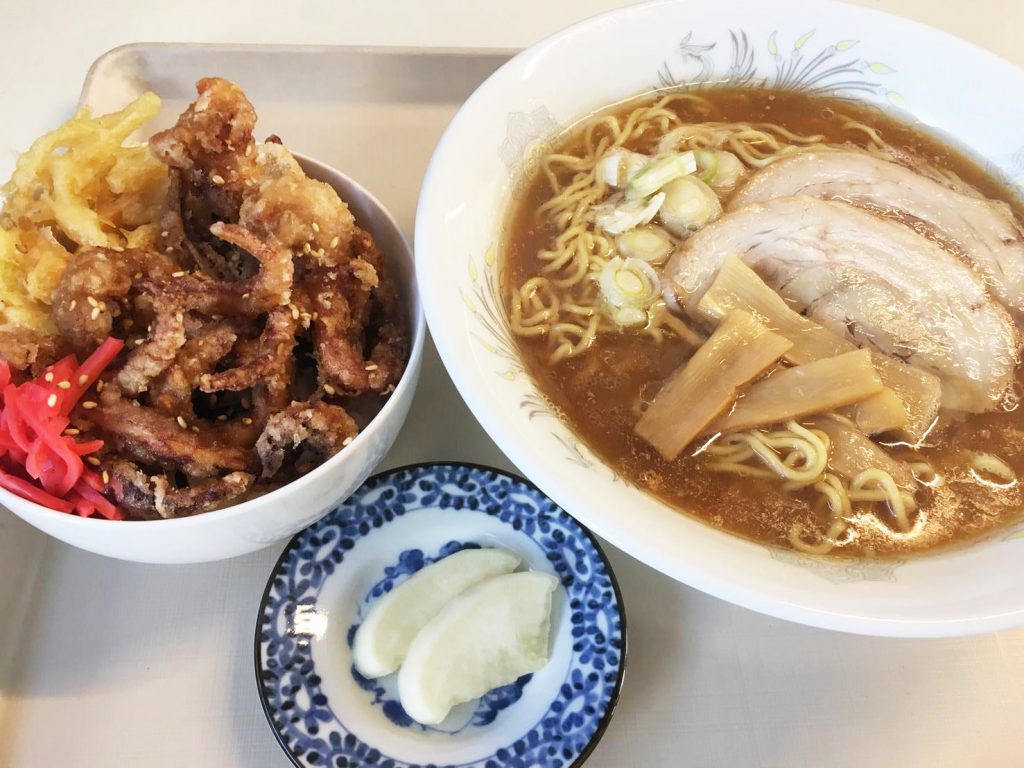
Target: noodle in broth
(773,483)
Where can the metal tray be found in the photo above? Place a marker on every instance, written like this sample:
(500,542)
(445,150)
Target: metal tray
(105,663)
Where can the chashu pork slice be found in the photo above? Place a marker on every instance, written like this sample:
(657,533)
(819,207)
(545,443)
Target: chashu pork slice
(878,283)
(985,232)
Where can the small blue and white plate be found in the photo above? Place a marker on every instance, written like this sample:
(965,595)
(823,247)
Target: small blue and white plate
(325,714)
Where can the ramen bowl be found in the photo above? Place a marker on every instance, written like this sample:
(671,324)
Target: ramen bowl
(278,514)
(472,183)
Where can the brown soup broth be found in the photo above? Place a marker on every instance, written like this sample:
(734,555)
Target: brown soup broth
(600,392)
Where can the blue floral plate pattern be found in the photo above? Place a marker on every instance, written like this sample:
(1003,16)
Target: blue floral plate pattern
(325,714)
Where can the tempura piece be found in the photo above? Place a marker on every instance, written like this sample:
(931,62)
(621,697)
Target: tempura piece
(818,387)
(296,212)
(71,174)
(740,350)
(314,432)
(212,145)
(94,298)
(76,187)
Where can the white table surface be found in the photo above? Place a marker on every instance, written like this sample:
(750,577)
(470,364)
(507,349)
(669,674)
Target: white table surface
(162,675)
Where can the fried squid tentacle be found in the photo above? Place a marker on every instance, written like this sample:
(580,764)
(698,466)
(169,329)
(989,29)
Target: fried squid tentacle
(212,144)
(145,496)
(274,348)
(171,393)
(99,286)
(152,438)
(313,432)
(159,350)
(270,287)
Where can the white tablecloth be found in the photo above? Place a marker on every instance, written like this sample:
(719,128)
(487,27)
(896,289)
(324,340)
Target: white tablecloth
(161,675)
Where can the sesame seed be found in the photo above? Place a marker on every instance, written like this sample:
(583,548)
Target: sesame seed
(182,423)
(106,476)
(94,461)
(329,389)
(347,440)
(73,304)
(195,428)
(89,405)
(247,421)
(321,252)
(295,312)
(117,248)
(165,233)
(100,385)
(48,377)
(246,295)
(82,379)
(222,417)
(371,366)
(178,274)
(51,400)
(71,432)
(306,248)
(168,249)
(92,301)
(95,312)
(139,341)
(217,178)
(334,241)
(316,227)
(64,384)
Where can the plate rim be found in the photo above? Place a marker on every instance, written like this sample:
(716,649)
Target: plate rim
(609,710)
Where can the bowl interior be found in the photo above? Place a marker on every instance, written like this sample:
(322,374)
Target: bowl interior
(472,178)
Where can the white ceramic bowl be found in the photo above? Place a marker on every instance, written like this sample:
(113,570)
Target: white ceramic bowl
(946,83)
(279,514)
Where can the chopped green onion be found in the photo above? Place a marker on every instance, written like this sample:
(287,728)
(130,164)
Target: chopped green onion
(650,244)
(617,167)
(616,218)
(628,317)
(729,171)
(707,164)
(629,283)
(659,173)
(689,205)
